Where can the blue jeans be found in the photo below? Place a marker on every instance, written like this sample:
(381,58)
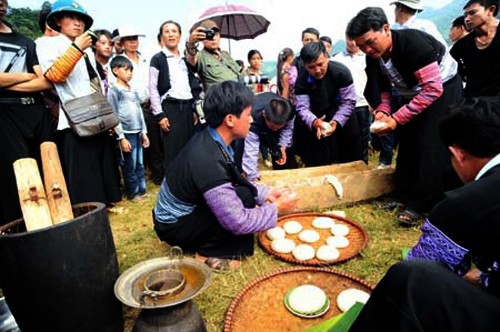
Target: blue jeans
(386,149)
(133,167)
(388,142)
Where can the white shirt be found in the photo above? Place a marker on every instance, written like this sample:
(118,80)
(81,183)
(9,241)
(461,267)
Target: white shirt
(448,65)
(140,76)
(422,25)
(77,83)
(489,165)
(179,79)
(356,64)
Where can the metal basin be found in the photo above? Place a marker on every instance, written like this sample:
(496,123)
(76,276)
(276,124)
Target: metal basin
(130,286)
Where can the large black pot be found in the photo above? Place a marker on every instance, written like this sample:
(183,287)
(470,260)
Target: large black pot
(61,278)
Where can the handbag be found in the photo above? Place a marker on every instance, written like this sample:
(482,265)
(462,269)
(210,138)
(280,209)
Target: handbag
(90,115)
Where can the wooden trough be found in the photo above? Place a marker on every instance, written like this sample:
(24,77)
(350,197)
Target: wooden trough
(359,183)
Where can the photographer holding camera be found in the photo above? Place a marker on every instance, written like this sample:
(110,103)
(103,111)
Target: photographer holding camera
(211,63)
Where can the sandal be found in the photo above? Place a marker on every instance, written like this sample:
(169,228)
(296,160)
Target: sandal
(220,265)
(389,206)
(408,218)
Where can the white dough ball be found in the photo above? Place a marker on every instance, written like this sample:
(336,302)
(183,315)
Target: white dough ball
(347,298)
(275,233)
(339,213)
(340,229)
(283,246)
(323,222)
(307,299)
(327,253)
(376,126)
(338,241)
(292,227)
(309,236)
(303,252)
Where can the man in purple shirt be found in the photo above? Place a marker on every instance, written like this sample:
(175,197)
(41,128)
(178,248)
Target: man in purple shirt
(325,99)
(205,205)
(450,280)
(272,127)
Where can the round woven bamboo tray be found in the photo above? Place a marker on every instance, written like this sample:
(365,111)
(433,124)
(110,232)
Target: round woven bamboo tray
(260,306)
(358,239)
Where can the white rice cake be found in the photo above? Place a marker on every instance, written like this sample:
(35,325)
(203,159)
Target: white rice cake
(307,299)
(309,236)
(283,246)
(292,227)
(327,253)
(377,126)
(323,222)
(338,241)
(347,298)
(303,252)
(339,213)
(275,233)
(340,230)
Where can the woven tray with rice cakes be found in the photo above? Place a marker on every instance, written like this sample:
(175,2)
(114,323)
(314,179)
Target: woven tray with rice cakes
(260,305)
(358,238)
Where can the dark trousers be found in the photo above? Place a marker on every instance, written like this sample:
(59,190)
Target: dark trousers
(153,155)
(364,121)
(422,157)
(386,144)
(22,129)
(344,145)
(180,117)
(90,167)
(425,296)
(201,232)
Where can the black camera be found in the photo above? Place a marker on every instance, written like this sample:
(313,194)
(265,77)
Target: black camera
(254,79)
(92,35)
(209,33)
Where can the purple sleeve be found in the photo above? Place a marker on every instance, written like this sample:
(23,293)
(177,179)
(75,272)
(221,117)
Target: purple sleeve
(434,245)
(262,192)
(154,95)
(303,106)
(286,134)
(347,104)
(250,158)
(234,217)
(292,75)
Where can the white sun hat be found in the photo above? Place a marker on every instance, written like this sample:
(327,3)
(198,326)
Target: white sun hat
(127,31)
(414,4)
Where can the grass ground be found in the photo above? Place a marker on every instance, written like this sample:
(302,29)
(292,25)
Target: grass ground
(136,241)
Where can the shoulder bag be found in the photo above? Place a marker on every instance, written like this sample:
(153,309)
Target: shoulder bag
(91,114)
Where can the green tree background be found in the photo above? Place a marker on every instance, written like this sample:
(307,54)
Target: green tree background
(25,21)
